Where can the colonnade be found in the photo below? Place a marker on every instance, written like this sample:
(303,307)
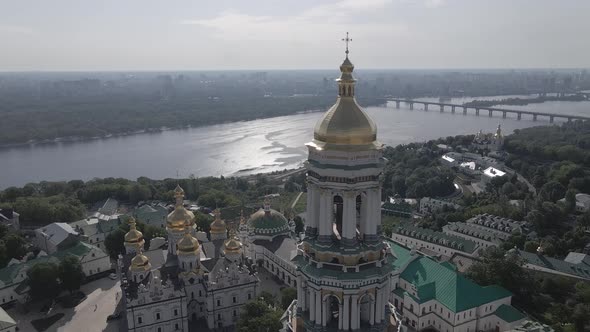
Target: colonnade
(320,213)
(349,307)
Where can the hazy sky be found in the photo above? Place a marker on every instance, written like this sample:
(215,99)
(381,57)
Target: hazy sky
(292,34)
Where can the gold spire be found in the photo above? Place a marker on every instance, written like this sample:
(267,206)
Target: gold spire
(180,216)
(187,245)
(218,226)
(133,237)
(345,124)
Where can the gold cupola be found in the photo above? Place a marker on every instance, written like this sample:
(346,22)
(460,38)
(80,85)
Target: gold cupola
(187,245)
(140,263)
(345,124)
(233,245)
(133,237)
(180,216)
(218,226)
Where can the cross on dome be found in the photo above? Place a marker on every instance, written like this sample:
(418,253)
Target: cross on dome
(346,40)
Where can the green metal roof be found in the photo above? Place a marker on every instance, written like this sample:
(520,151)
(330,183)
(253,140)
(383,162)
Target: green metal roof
(457,293)
(439,238)
(269,223)
(509,313)
(8,274)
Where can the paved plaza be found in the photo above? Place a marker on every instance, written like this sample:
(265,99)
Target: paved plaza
(103,297)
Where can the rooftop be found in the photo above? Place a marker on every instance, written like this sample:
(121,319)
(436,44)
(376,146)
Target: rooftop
(454,291)
(439,238)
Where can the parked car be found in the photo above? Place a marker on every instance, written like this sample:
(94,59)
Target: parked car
(113,276)
(114,316)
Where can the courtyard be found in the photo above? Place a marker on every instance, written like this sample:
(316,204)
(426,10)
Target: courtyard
(103,299)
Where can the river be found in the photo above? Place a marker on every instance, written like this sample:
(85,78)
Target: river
(238,148)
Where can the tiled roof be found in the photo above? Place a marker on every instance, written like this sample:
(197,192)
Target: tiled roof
(439,238)
(268,223)
(579,270)
(508,313)
(457,293)
(149,214)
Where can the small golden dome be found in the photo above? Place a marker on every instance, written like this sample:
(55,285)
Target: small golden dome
(180,216)
(218,226)
(140,263)
(187,245)
(133,236)
(233,245)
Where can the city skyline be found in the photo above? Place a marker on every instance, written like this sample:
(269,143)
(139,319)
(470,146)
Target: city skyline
(232,35)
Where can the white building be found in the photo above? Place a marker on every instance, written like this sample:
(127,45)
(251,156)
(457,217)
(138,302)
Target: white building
(343,275)
(55,236)
(489,141)
(432,242)
(582,202)
(429,205)
(189,282)
(486,230)
(349,277)
(12,288)
(97,227)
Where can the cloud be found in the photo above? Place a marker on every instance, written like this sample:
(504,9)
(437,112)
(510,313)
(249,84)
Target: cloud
(15,29)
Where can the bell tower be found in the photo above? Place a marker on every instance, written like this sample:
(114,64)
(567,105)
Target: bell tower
(343,276)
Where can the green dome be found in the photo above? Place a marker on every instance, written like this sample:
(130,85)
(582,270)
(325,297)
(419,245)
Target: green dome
(268,222)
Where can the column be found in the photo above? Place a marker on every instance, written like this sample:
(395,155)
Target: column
(340,312)
(346,313)
(310,214)
(354,312)
(325,311)
(349,219)
(378,305)
(318,308)
(325,222)
(300,295)
(372,312)
(311,304)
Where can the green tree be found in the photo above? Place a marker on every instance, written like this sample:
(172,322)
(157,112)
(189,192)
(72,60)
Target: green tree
(531,246)
(70,273)
(43,280)
(203,221)
(114,243)
(581,316)
(299,225)
(268,298)
(15,246)
(287,296)
(258,316)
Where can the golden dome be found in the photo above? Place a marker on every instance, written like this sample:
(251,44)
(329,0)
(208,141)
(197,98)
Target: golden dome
(233,245)
(180,216)
(140,263)
(187,245)
(345,123)
(133,236)
(218,226)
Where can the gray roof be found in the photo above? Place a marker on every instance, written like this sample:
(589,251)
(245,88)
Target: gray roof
(57,232)
(5,320)
(581,270)
(282,246)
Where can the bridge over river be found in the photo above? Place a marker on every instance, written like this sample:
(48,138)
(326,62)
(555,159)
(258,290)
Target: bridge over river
(490,110)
